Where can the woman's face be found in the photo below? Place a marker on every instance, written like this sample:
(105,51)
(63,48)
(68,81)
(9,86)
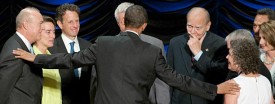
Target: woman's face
(231,62)
(47,34)
(263,43)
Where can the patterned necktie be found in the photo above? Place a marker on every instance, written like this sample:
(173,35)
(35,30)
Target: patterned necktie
(31,50)
(72,51)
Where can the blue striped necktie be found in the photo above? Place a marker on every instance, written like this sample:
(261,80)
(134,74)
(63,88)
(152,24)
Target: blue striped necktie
(72,51)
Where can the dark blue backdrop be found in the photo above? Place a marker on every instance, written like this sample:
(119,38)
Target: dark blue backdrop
(167,18)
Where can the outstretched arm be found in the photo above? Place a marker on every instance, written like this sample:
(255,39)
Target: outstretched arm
(190,85)
(60,60)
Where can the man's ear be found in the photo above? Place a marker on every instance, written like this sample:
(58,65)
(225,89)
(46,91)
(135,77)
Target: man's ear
(25,25)
(59,23)
(144,26)
(208,26)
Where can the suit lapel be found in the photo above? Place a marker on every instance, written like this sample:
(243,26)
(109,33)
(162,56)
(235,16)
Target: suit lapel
(185,53)
(60,45)
(206,42)
(20,41)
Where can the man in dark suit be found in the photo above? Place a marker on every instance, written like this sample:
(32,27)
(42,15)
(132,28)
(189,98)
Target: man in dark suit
(159,92)
(75,83)
(128,66)
(199,54)
(20,82)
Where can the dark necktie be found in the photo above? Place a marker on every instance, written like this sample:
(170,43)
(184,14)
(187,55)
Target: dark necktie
(72,51)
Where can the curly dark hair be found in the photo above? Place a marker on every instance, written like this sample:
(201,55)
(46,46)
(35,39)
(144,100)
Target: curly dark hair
(245,53)
(60,11)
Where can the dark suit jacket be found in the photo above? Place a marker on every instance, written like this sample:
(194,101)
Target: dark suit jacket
(20,82)
(74,90)
(211,66)
(126,69)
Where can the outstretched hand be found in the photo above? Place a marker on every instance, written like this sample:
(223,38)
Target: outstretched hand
(22,54)
(228,87)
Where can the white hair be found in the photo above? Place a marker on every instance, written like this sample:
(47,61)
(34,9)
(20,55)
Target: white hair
(240,34)
(121,8)
(24,15)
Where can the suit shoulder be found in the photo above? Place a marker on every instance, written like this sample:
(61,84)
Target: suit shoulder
(215,36)
(178,38)
(152,40)
(84,41)
(143,36)
(9,45)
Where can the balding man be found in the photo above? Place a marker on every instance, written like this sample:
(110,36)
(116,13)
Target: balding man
(20,83)
(199,54)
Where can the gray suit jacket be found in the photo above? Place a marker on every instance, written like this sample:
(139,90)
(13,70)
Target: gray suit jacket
(20,82)
(126,69)
(159,93)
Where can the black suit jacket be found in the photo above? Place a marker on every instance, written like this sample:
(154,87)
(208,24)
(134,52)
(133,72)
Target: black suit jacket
(126,69)
(74,90)
(211,66)
(20,82)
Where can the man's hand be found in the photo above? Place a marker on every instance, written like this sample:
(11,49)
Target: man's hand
(228,87)
(194,44)
(19,53)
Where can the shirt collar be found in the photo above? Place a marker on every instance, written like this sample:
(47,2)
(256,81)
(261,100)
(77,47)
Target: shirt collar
(132,32)
(27,43)
(67,41)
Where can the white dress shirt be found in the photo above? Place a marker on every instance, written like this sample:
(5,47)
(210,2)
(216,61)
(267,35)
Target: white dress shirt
(67,42)
(27,43)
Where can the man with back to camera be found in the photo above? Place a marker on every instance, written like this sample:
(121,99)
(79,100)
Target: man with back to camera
(159,92)
(128,66)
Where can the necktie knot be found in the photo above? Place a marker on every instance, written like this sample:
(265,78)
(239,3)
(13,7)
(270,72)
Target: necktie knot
(72,47)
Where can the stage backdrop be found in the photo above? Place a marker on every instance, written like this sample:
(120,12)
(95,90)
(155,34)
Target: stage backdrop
(167,18)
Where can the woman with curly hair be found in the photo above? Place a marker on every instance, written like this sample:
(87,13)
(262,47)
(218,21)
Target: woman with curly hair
(243,58)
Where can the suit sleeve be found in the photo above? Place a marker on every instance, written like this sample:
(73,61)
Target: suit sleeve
(182,82)
(66,60)
(10,71)
(160,93)
(216,63)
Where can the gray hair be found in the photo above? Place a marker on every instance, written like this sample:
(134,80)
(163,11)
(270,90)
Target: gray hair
(240,34)
(121,8)
(25,15)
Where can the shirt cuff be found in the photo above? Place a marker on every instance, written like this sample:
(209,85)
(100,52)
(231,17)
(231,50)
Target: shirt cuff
(197,57)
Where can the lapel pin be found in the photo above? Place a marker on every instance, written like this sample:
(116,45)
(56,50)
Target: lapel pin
(206,49)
